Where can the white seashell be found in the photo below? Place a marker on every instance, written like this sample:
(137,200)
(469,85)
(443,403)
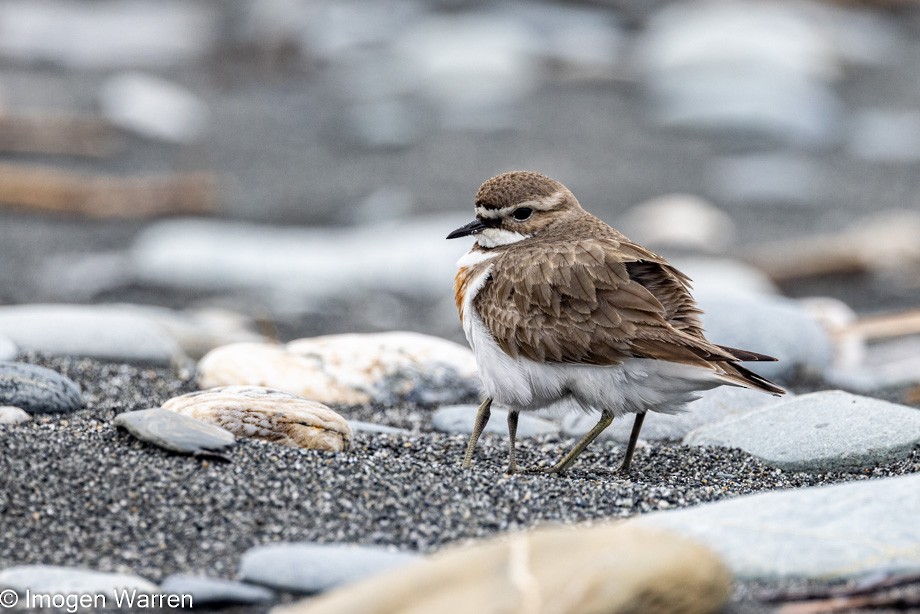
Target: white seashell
(271,415)
(385,368)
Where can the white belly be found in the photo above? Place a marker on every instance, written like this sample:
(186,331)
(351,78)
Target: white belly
(636,385)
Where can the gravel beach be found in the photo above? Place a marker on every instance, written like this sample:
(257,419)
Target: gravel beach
(77,491)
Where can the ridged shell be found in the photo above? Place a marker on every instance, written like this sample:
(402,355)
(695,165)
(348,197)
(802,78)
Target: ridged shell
(264,413)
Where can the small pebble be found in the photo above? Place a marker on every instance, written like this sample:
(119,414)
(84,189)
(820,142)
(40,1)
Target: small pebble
(175,431)
(13,415)
(37,390)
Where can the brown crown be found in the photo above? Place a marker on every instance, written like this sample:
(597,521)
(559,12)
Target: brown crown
(518,186)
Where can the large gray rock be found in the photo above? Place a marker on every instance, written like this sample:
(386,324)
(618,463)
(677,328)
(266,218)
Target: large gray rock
(821,431)
(37,390)
(460,419)
(212,591)
(311,568)
(776,326)
(823,533)
(57,580)
(713,406)
(174,431)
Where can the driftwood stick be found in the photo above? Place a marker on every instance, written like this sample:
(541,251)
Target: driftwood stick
(52,189)
(887,325)
(55,135)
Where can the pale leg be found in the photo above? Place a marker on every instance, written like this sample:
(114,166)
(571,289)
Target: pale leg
(512,432)
(562,465)
(631,447)
(482,418)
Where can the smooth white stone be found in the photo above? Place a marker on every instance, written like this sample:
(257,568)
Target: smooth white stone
(13,415)
(680,221)
(153,107)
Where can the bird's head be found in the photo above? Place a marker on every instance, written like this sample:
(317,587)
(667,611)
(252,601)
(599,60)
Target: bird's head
(515,206)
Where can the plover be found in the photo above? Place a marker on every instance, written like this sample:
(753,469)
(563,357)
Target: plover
(560,307)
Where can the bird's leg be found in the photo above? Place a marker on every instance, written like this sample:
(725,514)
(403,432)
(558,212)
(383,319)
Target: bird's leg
(631,446)
(562,465)
(482,418)
(512,431)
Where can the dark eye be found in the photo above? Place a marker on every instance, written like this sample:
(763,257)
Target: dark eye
(522,213)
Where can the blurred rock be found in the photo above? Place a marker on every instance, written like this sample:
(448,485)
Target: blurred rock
(885,364)
(460,419)
(766,178)
(724,276)
(82,276)
(59,580)
(267,414)
(712,407)
(473,66)
(8,349)
(821,431)
(174,431)
(312,568)
(108,33)
(301,262)
(351,369)
(885,136)
(775,326)
(386,203)
(586,41)
(612,568)
(13,415)
(37,390)
(679,221)
(823,534)
(759,70)
(836,317)
(99,331)
(215,591)
(153,108)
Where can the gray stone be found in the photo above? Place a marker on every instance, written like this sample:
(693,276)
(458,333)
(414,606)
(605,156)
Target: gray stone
(821,431)
(13,415)
(839,531)
(460,419)
(311,568)
(37,390)
(712,406)
(8,349)
(57,580)
(174,431)
(97,331)
(382,124)
(359,426)
(775,326)
(211,591)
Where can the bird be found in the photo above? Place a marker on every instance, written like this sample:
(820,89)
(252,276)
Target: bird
(561,308)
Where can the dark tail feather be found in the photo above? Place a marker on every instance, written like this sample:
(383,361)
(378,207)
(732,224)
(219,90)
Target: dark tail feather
(757,381)
(747,356)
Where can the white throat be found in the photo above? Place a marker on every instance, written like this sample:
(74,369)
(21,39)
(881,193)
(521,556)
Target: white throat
(493,237)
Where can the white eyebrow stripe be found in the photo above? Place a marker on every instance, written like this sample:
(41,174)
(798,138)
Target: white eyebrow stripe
(543,204)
